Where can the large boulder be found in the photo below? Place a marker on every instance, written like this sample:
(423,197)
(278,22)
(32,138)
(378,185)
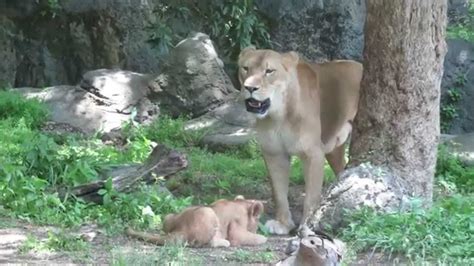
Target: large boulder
(193,80)
(359,187)
(103,101)
(227,127)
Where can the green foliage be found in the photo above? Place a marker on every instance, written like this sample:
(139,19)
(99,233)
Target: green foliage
(442,232)
(465,29)
(56,241)
(449,110)
(451,172)
(232,24)
(236,24)
(13,107)
(34,165)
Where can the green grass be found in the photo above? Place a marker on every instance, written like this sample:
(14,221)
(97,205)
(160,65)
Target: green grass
(246,256)
(175,254)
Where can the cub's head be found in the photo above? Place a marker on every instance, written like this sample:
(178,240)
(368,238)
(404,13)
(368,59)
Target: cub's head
(254,209)
(264,76)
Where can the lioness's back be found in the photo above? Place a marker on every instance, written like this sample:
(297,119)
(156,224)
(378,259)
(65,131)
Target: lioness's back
(339,82)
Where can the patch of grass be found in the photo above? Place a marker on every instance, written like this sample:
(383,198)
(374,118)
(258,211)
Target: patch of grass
(452,174)
(246,256)
(443,232)
(14,107)
(170,254)
(56,242)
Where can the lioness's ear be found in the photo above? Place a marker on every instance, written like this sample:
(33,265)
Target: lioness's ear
(246,50)
(290,59)
(256,208)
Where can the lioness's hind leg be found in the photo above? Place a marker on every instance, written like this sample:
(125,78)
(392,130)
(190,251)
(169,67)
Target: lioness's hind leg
(336,159)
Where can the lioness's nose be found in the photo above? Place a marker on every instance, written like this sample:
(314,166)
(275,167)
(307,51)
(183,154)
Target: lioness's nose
(251,89)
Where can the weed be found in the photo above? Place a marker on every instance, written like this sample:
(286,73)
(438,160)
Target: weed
(449,110)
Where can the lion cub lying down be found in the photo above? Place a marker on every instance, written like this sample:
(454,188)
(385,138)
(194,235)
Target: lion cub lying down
(224,223)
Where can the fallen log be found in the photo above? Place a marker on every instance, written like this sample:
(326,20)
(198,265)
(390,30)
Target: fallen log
(161,163)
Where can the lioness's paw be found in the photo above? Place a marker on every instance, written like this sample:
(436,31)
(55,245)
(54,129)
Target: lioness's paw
(260,240)
(274,227)
(220,243)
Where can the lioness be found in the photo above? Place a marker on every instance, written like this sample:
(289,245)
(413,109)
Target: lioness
(302,109)
(224,223)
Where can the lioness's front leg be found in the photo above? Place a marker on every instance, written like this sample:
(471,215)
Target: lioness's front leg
(278,166)
(313,163)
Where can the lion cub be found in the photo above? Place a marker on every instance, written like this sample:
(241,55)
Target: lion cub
(224,223)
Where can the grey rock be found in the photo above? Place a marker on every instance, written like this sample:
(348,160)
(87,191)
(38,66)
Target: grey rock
(103,102)
(361,186)
(462,146)
(226,127)
(193,80)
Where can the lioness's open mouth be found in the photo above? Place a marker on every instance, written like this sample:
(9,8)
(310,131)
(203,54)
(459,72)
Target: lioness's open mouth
(258,107)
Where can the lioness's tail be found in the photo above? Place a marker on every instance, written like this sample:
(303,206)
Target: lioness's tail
(147,237)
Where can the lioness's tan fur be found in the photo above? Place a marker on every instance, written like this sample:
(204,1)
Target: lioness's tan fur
(312,107)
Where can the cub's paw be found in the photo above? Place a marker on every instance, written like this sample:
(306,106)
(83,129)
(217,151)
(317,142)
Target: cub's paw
(274,227)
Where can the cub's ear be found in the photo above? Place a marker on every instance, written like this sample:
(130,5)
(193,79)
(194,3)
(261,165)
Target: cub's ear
(246,50)
(239,197)
(256,209)
(290,59)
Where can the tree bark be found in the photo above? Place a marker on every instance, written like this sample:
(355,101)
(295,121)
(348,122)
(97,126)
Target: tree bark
(398,121)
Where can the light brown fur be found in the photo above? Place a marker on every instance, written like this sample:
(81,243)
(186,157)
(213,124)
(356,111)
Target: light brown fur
(312,107)
(224,223)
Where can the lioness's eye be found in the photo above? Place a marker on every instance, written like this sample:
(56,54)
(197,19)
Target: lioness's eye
(269,71)
(245,68)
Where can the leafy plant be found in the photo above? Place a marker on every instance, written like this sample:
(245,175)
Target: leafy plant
(449,110)
(465,28)
(236,24)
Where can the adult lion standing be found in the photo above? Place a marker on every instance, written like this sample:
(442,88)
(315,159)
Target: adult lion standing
(302,109)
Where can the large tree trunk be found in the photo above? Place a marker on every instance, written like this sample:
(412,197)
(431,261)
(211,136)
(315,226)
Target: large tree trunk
(398,121)
(395,136)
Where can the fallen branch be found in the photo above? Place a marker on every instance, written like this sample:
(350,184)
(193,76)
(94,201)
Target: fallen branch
(161,163)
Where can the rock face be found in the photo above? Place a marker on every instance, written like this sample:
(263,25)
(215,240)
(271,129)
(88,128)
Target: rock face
(193,80)
(362,186)
(103,102)
(318,29)
(48,45)
(459,76)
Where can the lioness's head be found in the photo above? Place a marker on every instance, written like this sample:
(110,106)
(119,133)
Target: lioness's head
(264,76)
